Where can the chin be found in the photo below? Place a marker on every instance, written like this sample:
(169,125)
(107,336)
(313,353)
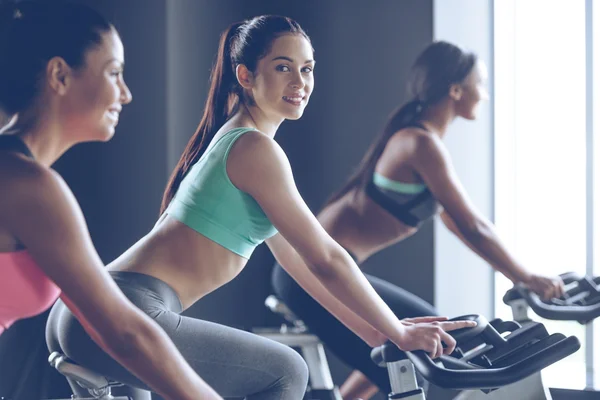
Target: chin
(105,135)
(295,116)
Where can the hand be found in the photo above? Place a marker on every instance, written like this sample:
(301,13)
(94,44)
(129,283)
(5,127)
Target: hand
(546,287)
(428,333)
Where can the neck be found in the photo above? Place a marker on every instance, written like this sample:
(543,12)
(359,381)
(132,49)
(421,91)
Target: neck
(43,136)
(437,118)
(252,116)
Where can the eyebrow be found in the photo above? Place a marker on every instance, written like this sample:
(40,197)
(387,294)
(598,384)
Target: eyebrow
(121,63)
(290,60)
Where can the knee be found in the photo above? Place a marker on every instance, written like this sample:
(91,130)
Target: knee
(293,369)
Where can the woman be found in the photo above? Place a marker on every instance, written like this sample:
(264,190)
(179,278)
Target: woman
(404,179)
(231,190)
(61,82)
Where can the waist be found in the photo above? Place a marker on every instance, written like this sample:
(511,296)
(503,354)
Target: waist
(145,290)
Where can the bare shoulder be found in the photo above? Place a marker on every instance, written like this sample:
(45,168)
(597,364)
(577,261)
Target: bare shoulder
(256,147)
(256,161)
(26,182)
(255,140)
(407,143)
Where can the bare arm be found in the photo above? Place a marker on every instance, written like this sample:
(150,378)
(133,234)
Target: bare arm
(291,261)
(258,166)
(432,161)
(48,221)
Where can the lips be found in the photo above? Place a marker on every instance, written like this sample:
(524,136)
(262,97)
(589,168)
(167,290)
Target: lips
(294,99)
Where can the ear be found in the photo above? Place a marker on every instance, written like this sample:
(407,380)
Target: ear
(244,76)
(456,92)
(58,75)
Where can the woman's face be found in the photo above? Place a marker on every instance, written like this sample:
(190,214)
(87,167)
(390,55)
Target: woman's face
(97,92)
(283,80)
(474,90)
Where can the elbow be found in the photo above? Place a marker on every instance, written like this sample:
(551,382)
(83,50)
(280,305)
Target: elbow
(328,265)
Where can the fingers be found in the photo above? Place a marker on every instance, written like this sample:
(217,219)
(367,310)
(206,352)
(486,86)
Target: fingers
(438,348)
(548,292)
(454,325)
(548,288)
(418,320)
(449,340)
(560,288)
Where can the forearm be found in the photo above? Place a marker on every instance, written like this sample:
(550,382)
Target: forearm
(298,270)
(486,243)
(344,280)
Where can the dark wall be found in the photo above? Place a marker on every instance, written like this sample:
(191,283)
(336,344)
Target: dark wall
(363,54)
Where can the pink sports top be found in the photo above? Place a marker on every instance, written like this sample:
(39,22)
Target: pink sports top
(25,290)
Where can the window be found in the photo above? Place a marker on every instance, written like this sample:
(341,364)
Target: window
(543,184)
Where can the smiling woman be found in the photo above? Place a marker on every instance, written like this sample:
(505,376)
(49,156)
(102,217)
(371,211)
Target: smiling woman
(61,83)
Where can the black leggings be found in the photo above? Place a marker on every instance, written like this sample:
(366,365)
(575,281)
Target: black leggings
(340,340)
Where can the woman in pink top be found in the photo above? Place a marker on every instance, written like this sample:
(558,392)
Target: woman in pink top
(61,83)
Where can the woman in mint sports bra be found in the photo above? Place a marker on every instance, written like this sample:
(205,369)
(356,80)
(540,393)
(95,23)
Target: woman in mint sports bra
(61,83)
(231,190)
(405,178)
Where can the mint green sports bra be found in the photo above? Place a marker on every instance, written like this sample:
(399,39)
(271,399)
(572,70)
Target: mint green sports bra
(209,203)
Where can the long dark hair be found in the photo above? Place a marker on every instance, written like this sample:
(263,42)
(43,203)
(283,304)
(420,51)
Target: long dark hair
(436,69)
(243,43)
(32,33)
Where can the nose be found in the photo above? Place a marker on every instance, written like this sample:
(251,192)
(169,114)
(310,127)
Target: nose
(126,96)
(297,81)
(485,95)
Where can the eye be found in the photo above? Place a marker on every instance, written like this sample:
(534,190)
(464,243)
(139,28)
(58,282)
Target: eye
(283,68)
(307,69)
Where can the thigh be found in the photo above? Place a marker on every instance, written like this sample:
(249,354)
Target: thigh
(402,302)
(237,363)
(338,339)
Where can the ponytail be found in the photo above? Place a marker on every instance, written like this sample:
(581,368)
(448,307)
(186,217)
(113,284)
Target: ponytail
(222,102)
(405,116)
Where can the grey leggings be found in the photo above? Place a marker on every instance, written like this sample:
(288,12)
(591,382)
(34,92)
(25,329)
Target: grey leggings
(235,363)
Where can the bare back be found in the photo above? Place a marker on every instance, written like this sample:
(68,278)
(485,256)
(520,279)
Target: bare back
(361,225)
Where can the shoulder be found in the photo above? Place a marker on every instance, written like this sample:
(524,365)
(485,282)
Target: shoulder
(23,179)
(257,147)
(257,162)
(411,141)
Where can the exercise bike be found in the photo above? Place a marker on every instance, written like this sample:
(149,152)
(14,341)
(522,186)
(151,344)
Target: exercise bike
(497,360)
(580,303)
(98,386)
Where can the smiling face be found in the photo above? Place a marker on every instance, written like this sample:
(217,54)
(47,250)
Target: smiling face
(283,80)
(96,92)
